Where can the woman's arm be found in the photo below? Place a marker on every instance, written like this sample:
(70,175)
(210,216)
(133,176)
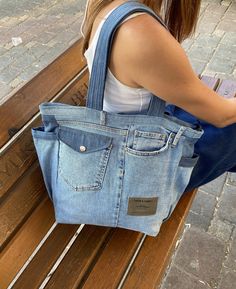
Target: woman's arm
(157,62)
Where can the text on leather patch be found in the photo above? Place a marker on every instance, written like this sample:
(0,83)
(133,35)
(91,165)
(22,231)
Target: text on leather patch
(142,206)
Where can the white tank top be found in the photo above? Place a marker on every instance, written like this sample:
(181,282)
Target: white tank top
(118,97)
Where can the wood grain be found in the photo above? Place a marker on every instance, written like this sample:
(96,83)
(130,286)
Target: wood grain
(24,242)
(16,111)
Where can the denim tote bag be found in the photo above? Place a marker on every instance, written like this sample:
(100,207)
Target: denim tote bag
(123,170)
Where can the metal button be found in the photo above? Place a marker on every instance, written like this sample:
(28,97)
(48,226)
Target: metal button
(82,148)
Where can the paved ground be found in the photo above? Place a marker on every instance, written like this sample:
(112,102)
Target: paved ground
(206,253)
(47,28)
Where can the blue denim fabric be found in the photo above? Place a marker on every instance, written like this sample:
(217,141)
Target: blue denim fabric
(123,170)
(216,149)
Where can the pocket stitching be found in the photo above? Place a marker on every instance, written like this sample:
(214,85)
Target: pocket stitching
(150,134)
(104,141)
(99,176)
(150,153)
(145,153)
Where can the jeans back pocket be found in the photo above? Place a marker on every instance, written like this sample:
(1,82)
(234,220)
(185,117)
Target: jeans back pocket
(83,158)
(149,143)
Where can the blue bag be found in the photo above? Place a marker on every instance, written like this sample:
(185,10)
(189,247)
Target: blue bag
(216,149)
(114,169)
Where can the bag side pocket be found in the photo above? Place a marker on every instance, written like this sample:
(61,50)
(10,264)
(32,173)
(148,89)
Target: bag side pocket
(46,145)
(184,171)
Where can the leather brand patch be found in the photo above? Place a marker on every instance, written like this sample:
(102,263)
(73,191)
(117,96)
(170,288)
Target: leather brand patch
(142,206)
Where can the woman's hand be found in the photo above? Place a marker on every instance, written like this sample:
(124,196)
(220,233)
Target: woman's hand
(157,62)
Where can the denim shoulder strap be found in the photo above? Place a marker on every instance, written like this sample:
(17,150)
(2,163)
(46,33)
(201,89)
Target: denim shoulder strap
(97,79)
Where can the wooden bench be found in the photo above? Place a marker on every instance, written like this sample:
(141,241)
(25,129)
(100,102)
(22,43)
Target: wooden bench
(35,251)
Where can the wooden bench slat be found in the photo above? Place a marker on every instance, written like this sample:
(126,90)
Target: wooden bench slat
(81,257)
(15,160)
(114,260)
(24,242)
(24,198)
(45,258)
(16,111)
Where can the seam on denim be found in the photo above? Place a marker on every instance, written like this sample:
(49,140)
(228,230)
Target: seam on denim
(103,164)
(43,134)
(150,153)
(97,126)
(99,175)
(178,135)
(143,153)
(151,134)
(76,188)
(103,118)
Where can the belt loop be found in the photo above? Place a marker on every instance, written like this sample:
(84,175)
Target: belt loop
(177,136)
(103,117)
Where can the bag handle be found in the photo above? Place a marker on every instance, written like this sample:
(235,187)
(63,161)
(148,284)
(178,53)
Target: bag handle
(97,79)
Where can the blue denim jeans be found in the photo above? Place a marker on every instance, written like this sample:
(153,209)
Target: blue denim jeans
(108,169)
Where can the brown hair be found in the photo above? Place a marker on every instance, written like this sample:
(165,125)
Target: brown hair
(180,16)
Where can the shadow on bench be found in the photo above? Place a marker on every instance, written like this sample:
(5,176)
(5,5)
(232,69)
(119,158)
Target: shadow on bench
(35,251)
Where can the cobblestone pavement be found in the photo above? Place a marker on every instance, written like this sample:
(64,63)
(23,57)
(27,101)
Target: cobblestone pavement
(206,253)
(47,28)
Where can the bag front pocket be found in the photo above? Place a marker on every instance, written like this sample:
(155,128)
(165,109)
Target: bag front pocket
(149,143)
(83,158)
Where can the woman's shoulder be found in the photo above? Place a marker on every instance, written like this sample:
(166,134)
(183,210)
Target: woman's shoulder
(143,31)
(144,21)
(153,57)
(144,37)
